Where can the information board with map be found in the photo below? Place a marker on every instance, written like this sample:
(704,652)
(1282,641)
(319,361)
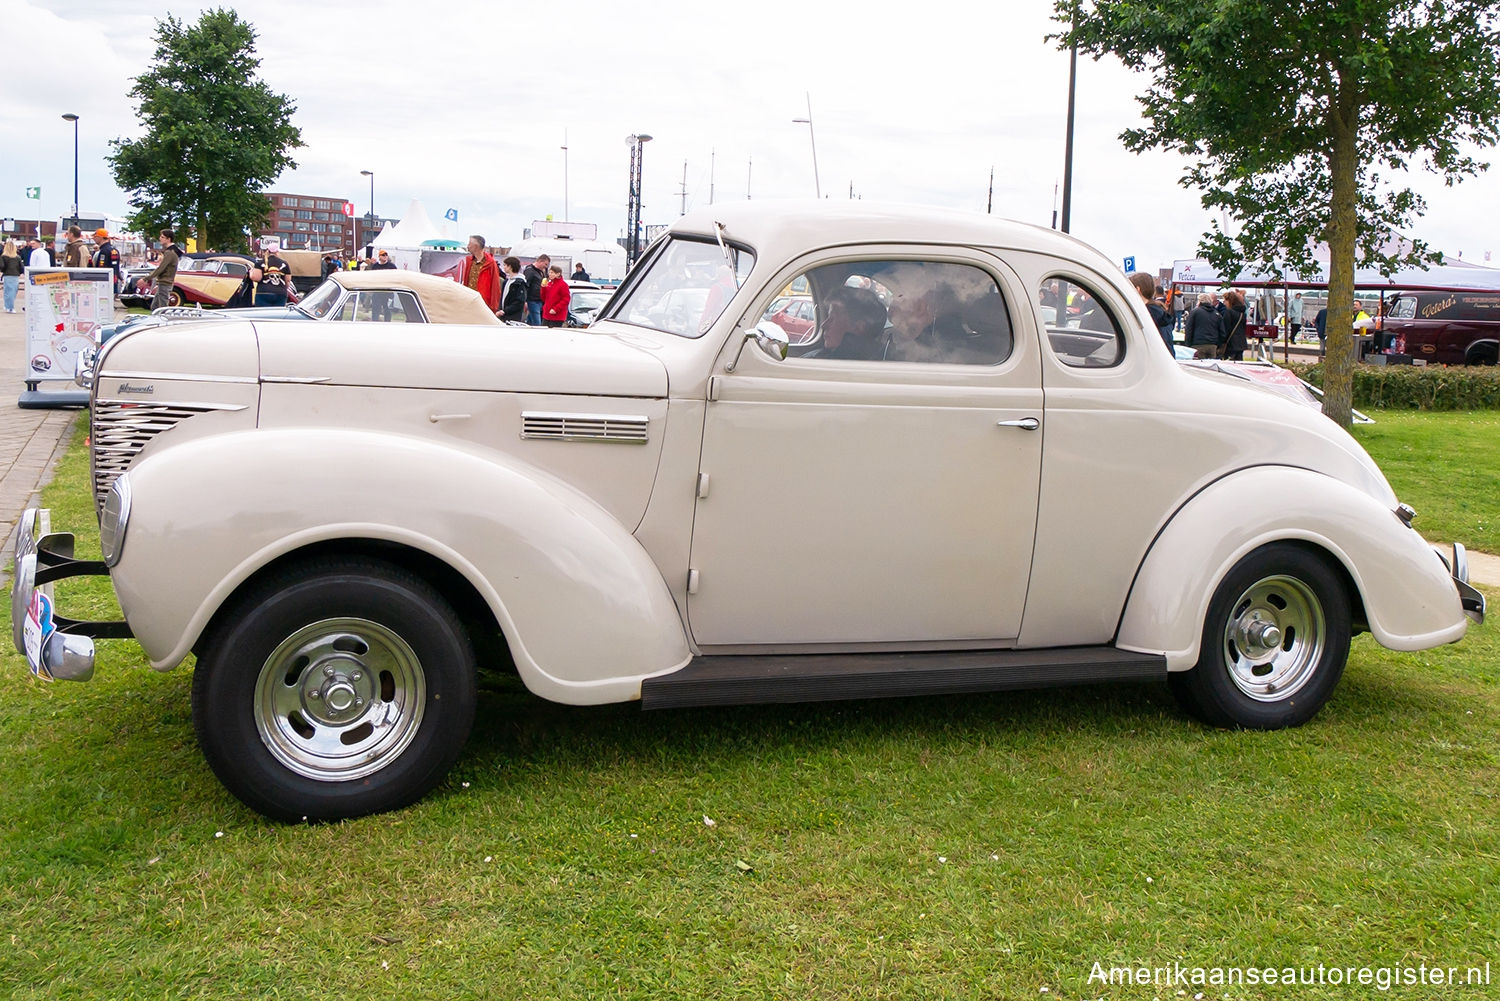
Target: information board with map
(65,307)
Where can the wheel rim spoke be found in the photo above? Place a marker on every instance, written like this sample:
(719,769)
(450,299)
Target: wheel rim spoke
(320,704)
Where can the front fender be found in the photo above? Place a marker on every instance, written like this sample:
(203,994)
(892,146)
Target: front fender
(585,610)
(1409,598)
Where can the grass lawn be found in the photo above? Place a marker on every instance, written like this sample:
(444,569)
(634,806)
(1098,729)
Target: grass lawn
(977,847)
(1447,466)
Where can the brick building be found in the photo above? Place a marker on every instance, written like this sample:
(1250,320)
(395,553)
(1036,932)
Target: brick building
(308,222)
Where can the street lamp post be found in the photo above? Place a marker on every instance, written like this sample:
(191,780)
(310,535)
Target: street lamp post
(808,121)
(565,174)
(371,217)
(633,209)
(70,117)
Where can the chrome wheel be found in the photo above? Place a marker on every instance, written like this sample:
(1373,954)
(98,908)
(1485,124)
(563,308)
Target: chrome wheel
(339,699)
(1274,638)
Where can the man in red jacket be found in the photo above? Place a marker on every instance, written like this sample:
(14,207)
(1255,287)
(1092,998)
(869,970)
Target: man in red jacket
(481,274)
(556,297)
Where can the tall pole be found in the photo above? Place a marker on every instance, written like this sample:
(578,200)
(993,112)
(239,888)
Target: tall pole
(633,209)
(565,175)
(1067,197)
(711,154)
(371,217)
(684,189)
(808,121)
(749,165)
(989,205)
(70,117)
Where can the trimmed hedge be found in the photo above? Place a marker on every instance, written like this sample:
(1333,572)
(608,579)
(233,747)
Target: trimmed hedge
(1427,387)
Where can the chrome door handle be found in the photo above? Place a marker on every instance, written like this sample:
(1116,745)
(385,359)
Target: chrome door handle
(1025,424)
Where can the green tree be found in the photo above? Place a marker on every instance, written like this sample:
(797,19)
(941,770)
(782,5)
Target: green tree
(1300,115)
(215,134)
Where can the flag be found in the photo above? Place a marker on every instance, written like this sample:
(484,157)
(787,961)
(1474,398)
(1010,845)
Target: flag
(34,193)
(451,215)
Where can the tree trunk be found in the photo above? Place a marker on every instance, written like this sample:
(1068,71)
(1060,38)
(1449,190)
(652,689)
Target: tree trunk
(202,214)
(1343,166)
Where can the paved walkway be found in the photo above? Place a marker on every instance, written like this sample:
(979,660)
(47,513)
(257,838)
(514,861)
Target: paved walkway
(31,441)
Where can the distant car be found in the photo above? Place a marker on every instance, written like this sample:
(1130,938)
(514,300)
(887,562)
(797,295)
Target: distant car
(382,296)
(212,281)
(586,299)
(131,292)
(1447,328)
(794,314)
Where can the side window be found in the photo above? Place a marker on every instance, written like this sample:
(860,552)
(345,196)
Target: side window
(933,312)
(385,306)
(1081,330)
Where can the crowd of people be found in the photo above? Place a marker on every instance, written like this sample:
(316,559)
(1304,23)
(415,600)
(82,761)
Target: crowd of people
(537,294)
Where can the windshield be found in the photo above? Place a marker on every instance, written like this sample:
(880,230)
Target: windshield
(320,300)
(683,287)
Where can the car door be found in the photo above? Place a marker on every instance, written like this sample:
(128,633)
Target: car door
(884,494)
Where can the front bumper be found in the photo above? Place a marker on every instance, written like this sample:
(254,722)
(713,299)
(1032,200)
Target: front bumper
(56,647)
(1470,597)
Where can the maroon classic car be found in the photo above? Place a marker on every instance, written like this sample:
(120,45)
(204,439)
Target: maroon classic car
(1445,328)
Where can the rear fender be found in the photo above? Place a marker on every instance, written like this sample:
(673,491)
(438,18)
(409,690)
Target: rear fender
(584,609)
(1408,595)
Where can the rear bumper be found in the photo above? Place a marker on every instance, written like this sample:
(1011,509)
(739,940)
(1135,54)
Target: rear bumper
(55,646)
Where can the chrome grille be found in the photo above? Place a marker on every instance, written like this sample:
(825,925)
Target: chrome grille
(584,427)
(118,432)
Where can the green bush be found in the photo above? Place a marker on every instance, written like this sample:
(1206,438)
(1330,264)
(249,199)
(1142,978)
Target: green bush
(1427,387)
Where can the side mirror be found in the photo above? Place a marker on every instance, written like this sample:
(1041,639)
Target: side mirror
(767,336)
(771,339)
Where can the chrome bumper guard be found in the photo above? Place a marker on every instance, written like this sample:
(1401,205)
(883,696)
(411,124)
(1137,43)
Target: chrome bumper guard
(1470,597)
(56,647)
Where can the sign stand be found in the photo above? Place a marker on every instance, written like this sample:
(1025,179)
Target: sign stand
(65,307)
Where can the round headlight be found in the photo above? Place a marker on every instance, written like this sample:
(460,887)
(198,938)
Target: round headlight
(113,520)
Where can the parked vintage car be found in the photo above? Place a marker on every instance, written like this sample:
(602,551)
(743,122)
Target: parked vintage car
(378,296)
(946,494)
(585,299)
(1447,328)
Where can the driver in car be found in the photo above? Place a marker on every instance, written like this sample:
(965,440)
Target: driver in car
(853,325)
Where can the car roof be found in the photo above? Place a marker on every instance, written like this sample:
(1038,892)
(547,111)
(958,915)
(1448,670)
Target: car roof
(782,230)
(443,299)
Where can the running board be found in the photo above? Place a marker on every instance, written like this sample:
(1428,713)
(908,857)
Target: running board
(753,679)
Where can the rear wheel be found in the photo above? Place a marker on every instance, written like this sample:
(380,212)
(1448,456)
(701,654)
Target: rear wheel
(1483,354)
(1274,643)
(174,298)
(335,689)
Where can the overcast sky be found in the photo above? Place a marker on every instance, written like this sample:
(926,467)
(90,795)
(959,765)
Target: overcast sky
(465,104)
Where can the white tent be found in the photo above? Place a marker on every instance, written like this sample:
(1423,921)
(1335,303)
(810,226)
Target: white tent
(1449,274)
(414,229)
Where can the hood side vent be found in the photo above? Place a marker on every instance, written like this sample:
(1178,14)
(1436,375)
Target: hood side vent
(584,427)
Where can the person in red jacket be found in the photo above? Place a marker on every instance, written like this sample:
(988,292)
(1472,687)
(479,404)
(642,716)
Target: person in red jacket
(481,273)
(555,298)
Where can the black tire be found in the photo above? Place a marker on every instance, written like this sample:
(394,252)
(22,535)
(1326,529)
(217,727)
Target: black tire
(1249,676)
(1483,354)
(334,689)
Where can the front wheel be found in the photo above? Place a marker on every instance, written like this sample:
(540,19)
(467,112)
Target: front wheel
(1274,644)
(334,689)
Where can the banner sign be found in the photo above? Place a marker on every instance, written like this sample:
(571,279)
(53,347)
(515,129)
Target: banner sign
(65,307)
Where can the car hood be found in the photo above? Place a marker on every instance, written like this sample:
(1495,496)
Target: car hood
(449,356)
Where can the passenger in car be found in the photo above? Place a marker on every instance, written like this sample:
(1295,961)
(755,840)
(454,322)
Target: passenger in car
(854,325)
